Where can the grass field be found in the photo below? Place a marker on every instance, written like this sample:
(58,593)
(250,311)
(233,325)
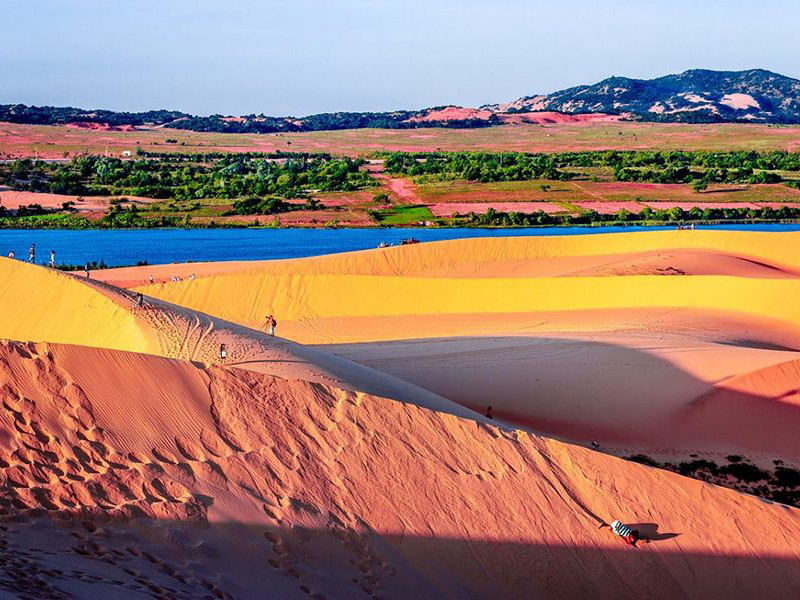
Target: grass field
(404,214)
(55,141)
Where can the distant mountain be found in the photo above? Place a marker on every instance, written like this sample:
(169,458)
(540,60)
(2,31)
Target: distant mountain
(696,96)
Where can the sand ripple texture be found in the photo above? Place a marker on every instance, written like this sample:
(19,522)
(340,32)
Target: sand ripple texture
(136,463)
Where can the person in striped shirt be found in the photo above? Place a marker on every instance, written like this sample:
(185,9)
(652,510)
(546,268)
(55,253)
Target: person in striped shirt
(630,535)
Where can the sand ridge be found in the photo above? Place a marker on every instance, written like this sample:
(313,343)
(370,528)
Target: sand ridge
(41,304)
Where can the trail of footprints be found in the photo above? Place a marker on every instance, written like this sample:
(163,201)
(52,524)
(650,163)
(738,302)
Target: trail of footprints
(79,482)
(82,482)
(368,568)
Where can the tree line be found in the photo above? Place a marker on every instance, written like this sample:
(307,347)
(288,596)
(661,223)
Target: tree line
(230,176)
(641,166)
(495,218)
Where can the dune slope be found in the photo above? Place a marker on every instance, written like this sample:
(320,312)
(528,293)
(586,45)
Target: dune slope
(581,337)
(133,476)
(722,252)
(38,304)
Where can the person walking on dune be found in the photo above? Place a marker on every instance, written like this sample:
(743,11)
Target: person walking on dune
(86,269)
(52,259)
(269,325)
(32,253)
(223,353)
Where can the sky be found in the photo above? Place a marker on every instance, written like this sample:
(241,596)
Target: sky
(299,57)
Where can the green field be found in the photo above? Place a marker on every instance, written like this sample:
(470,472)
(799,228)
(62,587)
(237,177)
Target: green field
(405,214)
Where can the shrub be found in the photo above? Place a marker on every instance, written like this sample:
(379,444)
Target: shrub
(744,472)
(786,477)
(642,459)
(254,205)
(689,468)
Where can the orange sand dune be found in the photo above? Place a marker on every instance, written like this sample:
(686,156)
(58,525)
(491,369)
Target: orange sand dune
(563,335)
(696,252)
(40,304)
(303,303)
(627,389)
(130,475)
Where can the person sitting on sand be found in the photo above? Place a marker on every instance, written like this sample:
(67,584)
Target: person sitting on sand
(223,353)
(628,534)
(595,445)
(12,254)
(152,279)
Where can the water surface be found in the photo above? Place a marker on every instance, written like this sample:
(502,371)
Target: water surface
(128,246)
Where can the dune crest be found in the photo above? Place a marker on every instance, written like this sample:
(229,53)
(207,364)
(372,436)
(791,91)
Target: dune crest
(39,304)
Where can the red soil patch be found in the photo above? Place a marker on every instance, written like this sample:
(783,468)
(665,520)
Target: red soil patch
(99,126)
(12,200)
(458,113)
(556,118)
(449,209)
(702,205)
(609,208)
(453,113)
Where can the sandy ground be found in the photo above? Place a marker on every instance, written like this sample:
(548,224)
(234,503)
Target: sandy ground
(137,476)
(657,322)
(139,463)
(12,200)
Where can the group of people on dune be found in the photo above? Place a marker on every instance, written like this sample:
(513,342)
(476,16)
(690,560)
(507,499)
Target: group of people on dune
(32,256)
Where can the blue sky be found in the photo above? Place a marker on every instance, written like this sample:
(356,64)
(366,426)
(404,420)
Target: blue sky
(297,57)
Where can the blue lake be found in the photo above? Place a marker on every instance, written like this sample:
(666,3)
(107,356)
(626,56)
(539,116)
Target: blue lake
(126,247)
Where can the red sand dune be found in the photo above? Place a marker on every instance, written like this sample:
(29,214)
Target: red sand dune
(136,475)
